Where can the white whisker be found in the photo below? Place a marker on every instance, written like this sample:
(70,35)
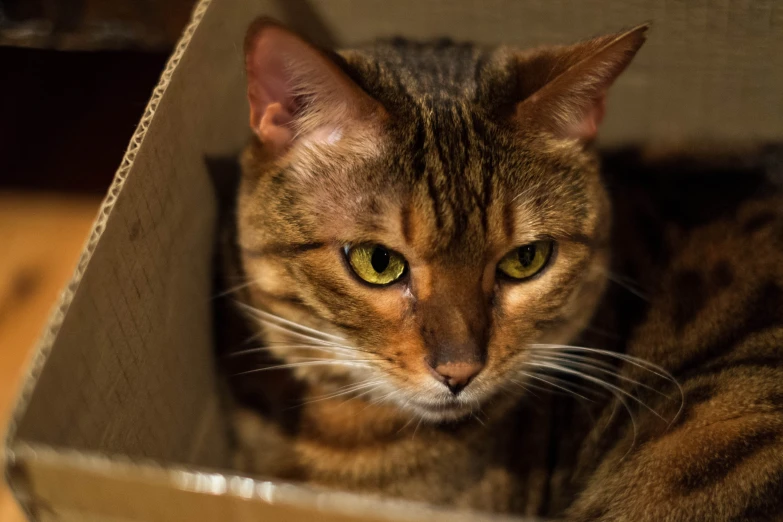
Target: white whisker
(602,332)
(569,392)
(526,388)
(634,361)
(336,350)
(618,397)
(381,399)
(328,362)
(409,420)
(233,289)
(371,390)
(344,390)
(298,335)
(280,320)
(595,380)
(553,384)
(641,363)
(618,280)
(416,429)
(578,362)
(288,331)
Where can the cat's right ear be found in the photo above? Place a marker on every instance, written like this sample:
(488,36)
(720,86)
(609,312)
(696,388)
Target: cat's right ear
(297,93)
(564,88)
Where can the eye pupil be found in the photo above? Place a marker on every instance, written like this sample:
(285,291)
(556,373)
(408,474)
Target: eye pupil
(380,259)
(525,261)
(526,254)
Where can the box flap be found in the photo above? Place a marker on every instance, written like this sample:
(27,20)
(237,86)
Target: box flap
(68,484)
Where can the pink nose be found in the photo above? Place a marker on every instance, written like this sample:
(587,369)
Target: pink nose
(456,375)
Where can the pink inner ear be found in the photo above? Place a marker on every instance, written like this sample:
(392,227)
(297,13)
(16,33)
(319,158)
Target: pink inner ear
(274,129)
(572,104)
(586,128)
(297,94)
(272,104)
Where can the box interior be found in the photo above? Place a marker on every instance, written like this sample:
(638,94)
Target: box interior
(125,368)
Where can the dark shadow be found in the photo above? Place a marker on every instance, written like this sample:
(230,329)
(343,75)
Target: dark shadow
(273,394)
(66,118)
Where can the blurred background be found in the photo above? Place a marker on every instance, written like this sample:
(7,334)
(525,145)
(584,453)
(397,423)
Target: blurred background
(75,76)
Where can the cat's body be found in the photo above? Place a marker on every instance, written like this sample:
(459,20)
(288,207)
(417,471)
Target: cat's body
(428,384)
(700,234)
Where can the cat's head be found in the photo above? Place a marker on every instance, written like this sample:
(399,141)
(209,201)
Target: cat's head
(425,212)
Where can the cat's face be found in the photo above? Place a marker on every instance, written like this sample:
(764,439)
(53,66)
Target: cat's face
(431,238)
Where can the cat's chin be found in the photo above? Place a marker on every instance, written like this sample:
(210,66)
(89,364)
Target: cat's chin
(440,412)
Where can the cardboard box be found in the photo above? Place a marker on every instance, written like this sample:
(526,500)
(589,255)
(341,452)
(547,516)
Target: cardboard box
(119,418)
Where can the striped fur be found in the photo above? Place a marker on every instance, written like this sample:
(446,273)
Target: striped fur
(458,160)
(702,235)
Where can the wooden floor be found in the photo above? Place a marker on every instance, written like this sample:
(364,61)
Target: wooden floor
(42,237)
(98,97)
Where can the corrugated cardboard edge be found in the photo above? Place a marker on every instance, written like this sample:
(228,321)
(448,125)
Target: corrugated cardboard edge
(44,346)
(107,478)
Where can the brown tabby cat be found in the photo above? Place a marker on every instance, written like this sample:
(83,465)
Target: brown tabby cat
(423,229)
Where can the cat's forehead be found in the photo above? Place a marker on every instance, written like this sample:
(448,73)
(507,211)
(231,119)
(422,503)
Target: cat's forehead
(452,194)
(403,72)
(447,169)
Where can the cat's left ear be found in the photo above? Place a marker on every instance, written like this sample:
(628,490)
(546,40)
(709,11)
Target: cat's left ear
(567,86)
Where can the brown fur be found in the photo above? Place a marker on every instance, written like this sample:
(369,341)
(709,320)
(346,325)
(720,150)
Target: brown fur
(701,237)
(462,155)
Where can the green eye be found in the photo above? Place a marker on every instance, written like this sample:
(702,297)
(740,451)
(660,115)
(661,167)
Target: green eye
(526,261)
(375,264)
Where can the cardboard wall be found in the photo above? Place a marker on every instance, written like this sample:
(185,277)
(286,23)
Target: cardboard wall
(129,368)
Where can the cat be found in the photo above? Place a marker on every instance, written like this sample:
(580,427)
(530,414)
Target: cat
(453,302)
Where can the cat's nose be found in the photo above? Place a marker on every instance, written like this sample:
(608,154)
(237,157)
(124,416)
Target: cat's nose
(456,375)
